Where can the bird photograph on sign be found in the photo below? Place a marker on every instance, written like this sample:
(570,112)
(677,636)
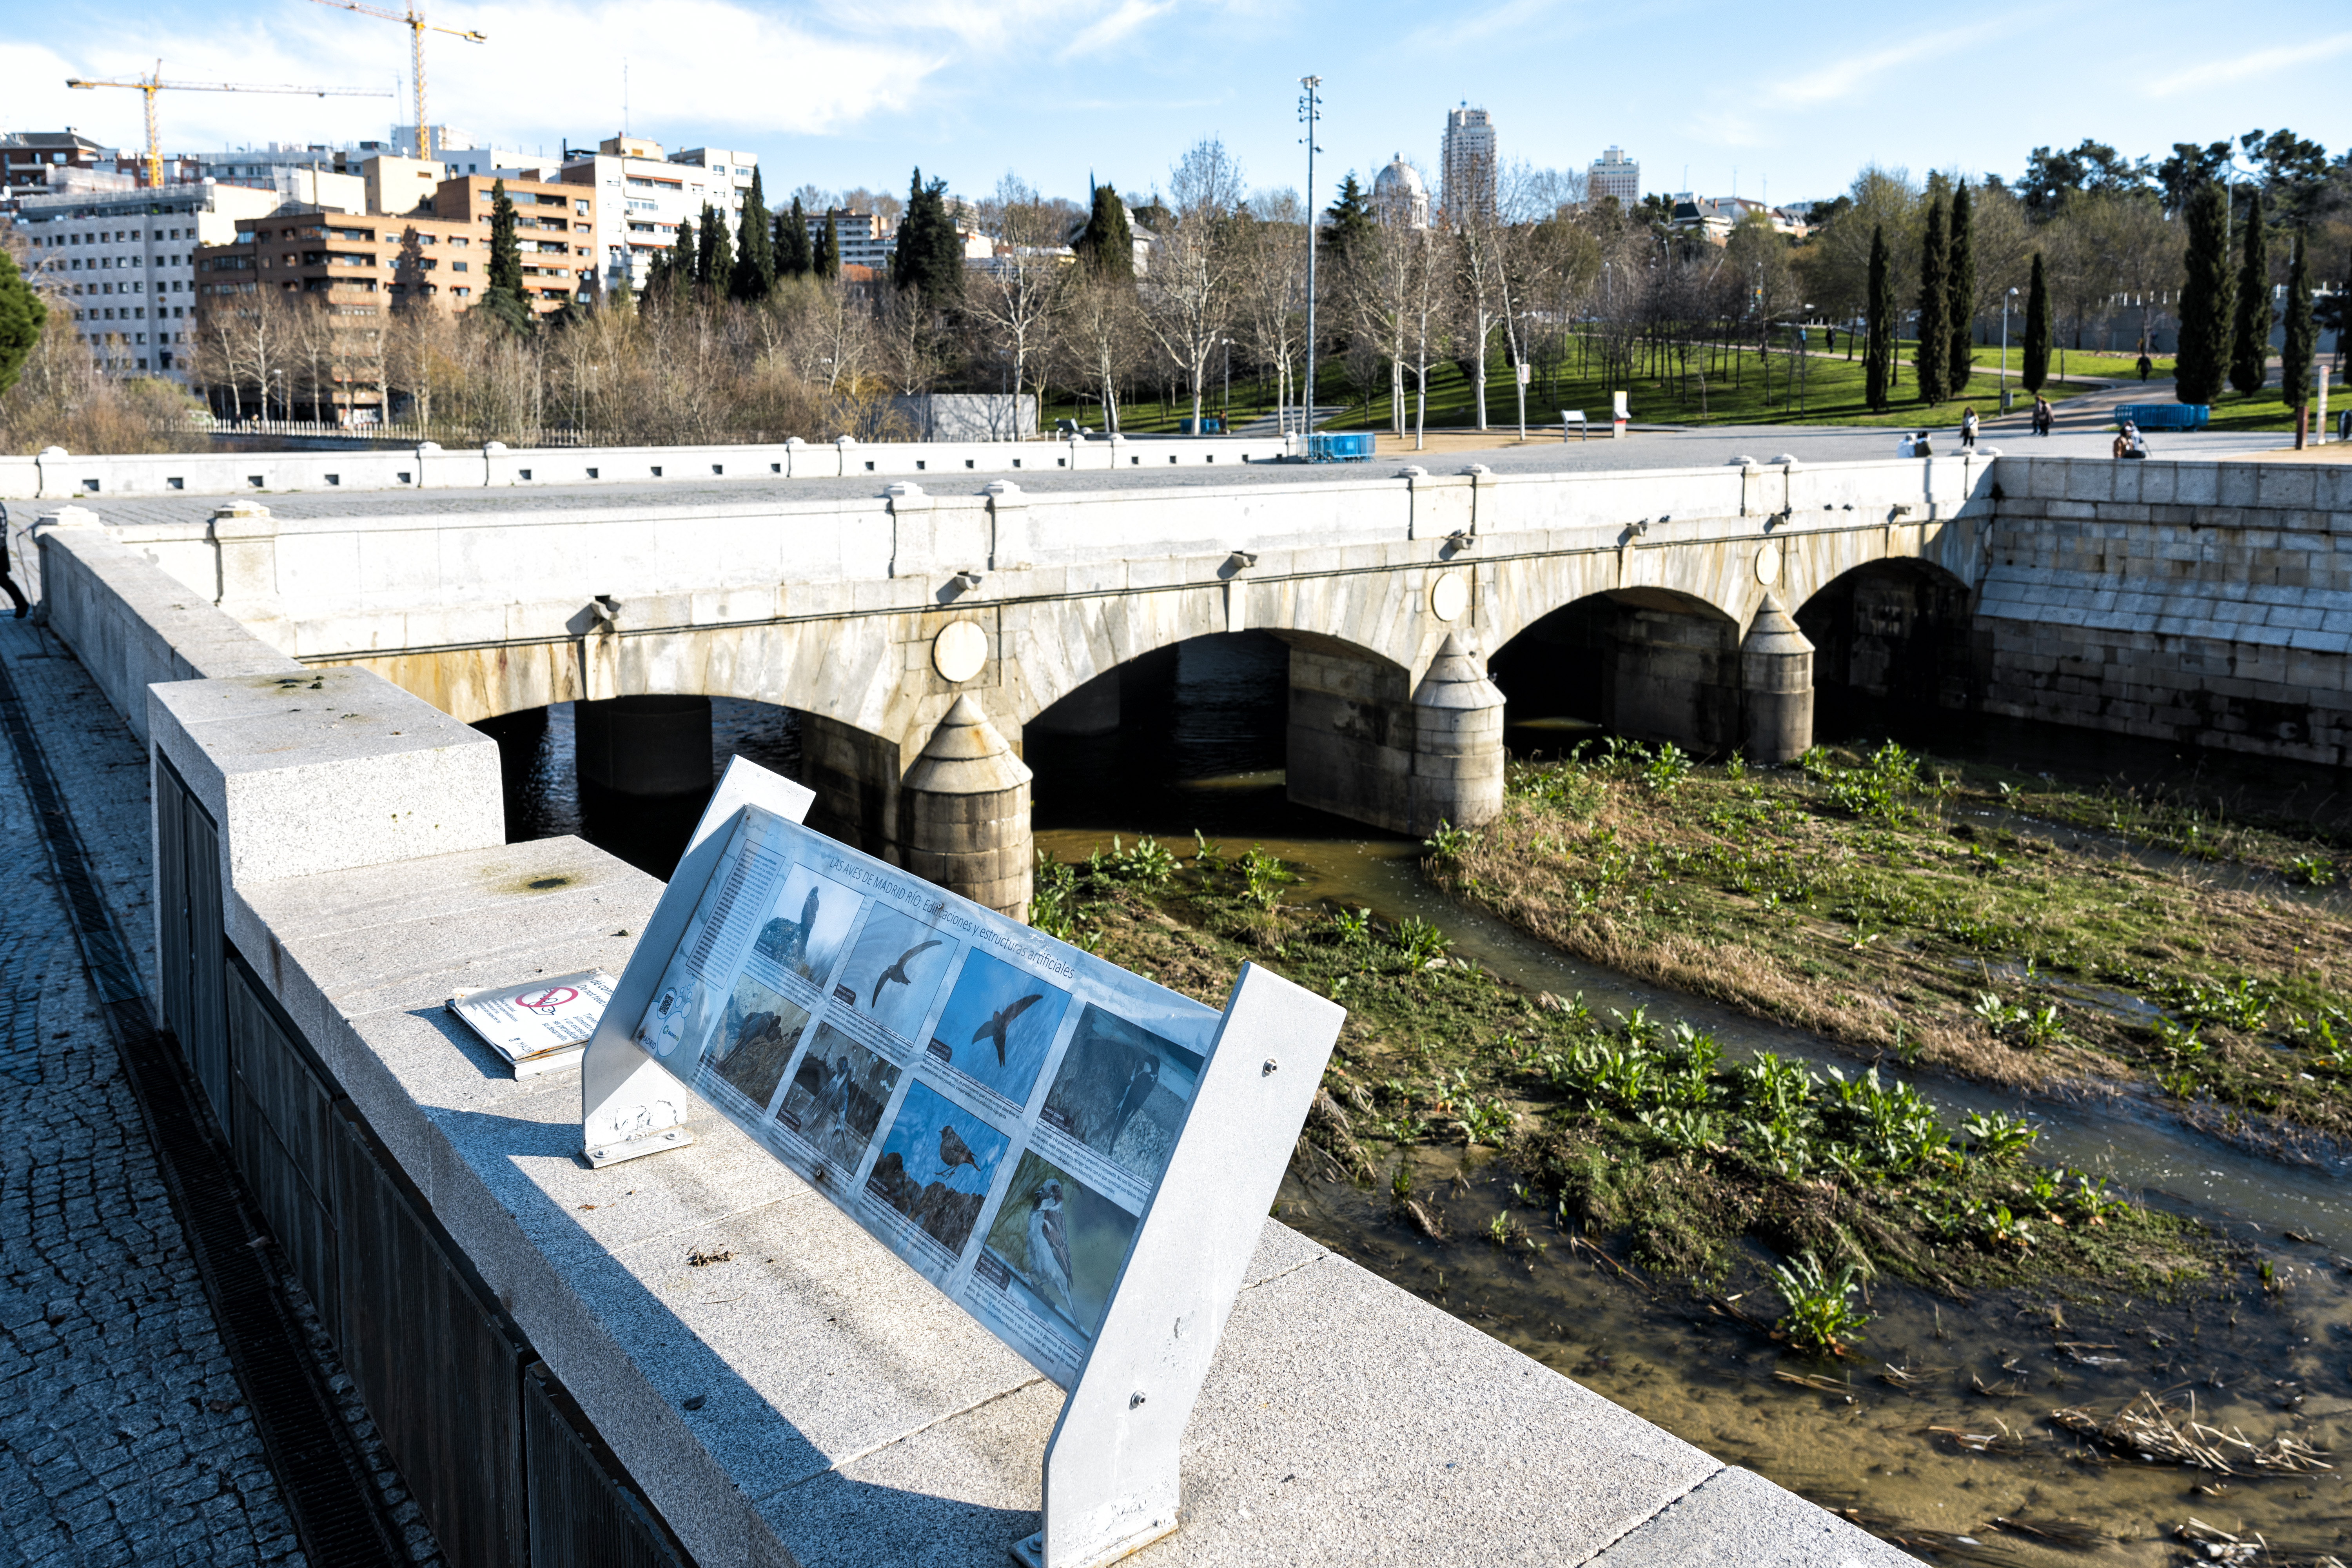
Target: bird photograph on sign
(936,1167)
(1057,1247)
(755,1040)
(812,918)
(894,971)
(837,1099)
(1122,1091)
(997,1025)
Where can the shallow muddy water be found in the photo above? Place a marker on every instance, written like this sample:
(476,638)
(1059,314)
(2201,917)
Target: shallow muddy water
(1924,1458)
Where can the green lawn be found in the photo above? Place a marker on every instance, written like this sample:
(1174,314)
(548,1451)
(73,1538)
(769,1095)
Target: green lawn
(2080,362)
(1833,395)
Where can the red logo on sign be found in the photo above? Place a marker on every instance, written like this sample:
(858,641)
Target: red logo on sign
(547,1001)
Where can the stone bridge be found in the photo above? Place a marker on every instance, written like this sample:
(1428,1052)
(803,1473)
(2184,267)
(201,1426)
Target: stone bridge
(875,616)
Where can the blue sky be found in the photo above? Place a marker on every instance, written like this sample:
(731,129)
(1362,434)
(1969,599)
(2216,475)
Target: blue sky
(1787,103)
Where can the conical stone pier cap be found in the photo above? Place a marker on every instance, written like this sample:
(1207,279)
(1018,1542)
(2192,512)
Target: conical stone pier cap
(966,756)
(1774,631)
(1456,679)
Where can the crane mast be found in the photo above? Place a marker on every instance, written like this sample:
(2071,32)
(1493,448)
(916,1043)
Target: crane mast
(414,20)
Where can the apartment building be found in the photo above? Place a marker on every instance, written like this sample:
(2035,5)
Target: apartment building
(868,239)
(641,196)
(27,157)
(555,224)
(124,263)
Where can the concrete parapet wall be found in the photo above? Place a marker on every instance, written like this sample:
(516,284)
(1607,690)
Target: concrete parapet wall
(60,476)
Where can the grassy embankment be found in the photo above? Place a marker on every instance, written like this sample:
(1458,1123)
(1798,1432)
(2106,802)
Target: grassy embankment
(1978,920)
(1624,1126)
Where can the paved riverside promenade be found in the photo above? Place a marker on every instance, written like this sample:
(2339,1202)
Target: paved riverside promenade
(124,1438)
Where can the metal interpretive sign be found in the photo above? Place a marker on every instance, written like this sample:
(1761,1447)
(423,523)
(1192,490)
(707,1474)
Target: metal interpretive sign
(1080,1158)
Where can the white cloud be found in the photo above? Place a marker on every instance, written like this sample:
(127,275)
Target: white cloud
(2260,63)
(1129,18)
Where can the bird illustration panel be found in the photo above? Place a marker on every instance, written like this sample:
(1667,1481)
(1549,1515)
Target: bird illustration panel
(836,1098)
(936,1165)
(1122,1091)
(812,918)
(1057,1246)
(997,1025)
(894,971)
(755,1039)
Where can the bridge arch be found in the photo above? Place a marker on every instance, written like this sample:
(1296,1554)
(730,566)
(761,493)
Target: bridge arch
(1895,631)
(1650,663)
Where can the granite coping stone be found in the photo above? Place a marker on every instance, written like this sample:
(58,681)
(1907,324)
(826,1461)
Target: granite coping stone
(848,1410)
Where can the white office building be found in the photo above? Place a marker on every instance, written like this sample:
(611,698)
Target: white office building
(464,153)
(641,196)
(121,261)
(1467,164)
(1615,174)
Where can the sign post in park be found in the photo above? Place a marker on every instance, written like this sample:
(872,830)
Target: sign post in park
(1081,1159)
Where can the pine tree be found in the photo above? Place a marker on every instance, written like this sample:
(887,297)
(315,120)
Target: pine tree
(1935,308)
(1107,243)
(2301,348)
(714,261)
(792,254)
(2250,342)
(2204,350)
(1962,291)
(505,250)
(754,272)
(2036,373)
(1878,346)
(929,256)
(828,247)
(1351,221)
(22,313)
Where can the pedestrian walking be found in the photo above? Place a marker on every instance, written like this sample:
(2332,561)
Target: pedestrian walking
(2145,366)
(1968,429)
(2041,415)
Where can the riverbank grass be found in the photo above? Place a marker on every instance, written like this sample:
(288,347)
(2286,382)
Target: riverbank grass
(1977,921)
(1626,1127)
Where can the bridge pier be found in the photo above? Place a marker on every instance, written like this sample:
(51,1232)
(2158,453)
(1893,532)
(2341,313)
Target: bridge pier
(1361,745)
(1776,666)
(964,811)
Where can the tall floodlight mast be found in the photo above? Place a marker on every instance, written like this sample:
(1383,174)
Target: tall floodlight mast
(1310,109)
(414,20)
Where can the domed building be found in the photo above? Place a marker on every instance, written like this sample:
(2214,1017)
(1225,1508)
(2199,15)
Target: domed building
(1399,196)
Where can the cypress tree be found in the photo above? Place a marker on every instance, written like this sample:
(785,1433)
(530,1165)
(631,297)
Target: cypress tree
(2204,351)
(1107,243)
(624,297)
(1878,345)
(929,256)
(22,313)
(506,251)
(1963,294)
(828,247)
(1934,349)
(714,262)
(2301,348)
(2036,372)
(681,275)
(792,254)
(2250,342)
(754,272)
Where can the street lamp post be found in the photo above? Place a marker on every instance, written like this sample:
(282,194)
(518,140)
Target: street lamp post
(2005,299)
(1310,110)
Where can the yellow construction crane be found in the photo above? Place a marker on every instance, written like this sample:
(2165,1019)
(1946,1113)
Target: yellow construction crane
(151,85)
(414,20)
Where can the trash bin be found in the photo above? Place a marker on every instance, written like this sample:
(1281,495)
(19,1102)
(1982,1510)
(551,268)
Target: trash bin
(2008,401)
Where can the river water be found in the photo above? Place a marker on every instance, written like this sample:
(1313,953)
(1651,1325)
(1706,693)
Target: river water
(1950,1451)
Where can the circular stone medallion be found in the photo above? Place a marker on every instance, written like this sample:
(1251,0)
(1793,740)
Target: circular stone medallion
(1449,597)
(960,650)
(1768,564)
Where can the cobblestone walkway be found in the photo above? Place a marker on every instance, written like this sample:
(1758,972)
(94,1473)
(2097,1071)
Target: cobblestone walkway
(124,1437)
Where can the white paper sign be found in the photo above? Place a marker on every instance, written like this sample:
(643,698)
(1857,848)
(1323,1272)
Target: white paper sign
(545,1022)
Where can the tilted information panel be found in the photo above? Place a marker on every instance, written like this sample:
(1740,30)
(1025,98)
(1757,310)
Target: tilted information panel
(995,1106)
